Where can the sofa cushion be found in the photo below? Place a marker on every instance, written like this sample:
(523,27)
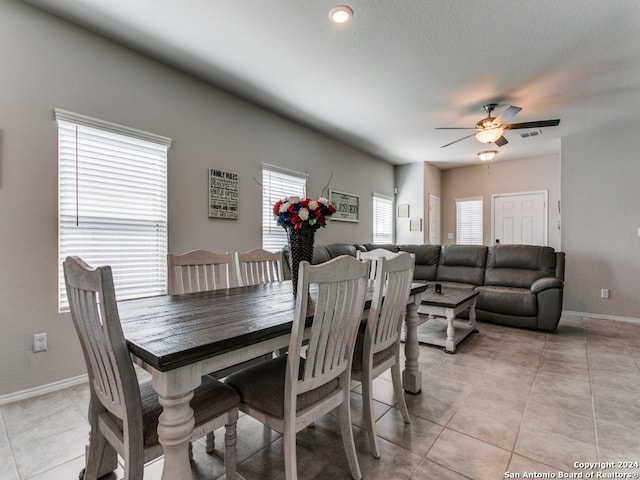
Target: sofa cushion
(427,257)
(519,265)
(507,300)
(324,253)
(462,263)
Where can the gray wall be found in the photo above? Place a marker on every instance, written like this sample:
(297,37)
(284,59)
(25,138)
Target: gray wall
(600,220)
(410,192)
(48,63)
(534,174)
(415,182)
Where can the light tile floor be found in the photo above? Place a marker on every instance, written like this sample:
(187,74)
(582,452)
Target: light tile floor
(510,401)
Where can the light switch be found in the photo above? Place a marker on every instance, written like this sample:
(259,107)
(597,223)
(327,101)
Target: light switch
(450,235)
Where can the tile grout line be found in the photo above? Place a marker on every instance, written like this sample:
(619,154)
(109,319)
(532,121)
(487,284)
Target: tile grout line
(526,405)
(593,400)
(6,438)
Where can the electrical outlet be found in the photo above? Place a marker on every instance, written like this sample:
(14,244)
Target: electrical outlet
(39,342)
(604,293)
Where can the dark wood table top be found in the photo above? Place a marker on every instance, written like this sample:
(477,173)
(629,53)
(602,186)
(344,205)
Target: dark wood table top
(172,331)
(450,297)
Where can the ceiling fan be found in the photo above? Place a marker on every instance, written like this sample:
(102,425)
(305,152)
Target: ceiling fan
(490,129)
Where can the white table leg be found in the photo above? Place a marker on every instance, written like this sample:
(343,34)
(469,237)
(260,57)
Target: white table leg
(472,317)
(176,422)
(450,344)
(411,375)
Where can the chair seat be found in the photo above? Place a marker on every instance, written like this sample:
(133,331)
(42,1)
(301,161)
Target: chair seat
(358,354)
(211,399)
(262,387)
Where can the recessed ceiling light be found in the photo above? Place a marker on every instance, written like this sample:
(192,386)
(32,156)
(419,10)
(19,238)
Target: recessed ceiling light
(340,14)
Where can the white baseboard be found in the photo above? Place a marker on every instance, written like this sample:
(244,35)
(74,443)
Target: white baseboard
(602,316)
(42,389)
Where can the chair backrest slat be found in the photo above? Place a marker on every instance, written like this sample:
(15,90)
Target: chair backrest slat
(391,292)
(373,256)
(95,316)
(339,288)
(200,271)
(258,266)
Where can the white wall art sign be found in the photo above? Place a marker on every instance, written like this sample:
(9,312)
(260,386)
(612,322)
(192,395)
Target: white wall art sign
(347,206)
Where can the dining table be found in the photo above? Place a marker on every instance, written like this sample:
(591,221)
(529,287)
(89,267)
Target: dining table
(180,338)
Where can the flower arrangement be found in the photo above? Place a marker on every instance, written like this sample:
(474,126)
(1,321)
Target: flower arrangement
(296,212)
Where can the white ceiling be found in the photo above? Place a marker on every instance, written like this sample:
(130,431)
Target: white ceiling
(401,68)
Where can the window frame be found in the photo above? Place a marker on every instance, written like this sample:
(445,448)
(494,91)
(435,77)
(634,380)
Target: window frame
(113,203)
(379,201)
(280,183)
(470,229)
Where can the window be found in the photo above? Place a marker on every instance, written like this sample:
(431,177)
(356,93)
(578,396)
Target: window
(112,209)
(382,219)
(469,220)
(277,184)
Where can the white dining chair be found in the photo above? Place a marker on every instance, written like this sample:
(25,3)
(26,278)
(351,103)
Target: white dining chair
(289,393)
(373,256)
(378,346)
(200,271)
(258,266)
(123,414)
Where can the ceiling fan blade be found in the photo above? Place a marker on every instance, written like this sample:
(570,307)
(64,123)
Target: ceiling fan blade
(501,141)
(507,115)
(455,128)
(538,124)
(456,141)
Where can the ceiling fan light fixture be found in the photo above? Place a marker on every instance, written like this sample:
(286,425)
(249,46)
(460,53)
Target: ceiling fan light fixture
(340,14)
(487,155)
(489,135)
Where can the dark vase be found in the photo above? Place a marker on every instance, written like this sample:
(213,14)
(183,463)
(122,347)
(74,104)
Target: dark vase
(300,248)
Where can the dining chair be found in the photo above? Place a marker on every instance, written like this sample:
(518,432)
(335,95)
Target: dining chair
(258,266)
(290,392)
(200,271)
(373,256)
(123,414)
(378,346)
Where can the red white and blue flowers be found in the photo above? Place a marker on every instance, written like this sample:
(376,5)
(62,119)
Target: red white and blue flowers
(296,213)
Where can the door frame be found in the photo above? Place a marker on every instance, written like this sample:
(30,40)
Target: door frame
(545,213)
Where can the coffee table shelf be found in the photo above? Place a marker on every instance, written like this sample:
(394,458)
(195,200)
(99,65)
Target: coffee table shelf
(440,310)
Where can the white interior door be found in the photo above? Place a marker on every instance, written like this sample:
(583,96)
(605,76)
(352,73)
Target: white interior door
(520,218)
(434,220)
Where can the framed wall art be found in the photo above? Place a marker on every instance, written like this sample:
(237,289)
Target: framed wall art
(223,194)
(403,210)
(347,206)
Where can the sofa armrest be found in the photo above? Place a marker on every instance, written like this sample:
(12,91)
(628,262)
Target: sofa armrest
(545,284)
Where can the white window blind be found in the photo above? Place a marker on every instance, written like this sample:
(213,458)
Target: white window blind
(113,203)
(469,220)
(382,219)
(277,184)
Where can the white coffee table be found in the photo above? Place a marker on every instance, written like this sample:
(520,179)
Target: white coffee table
(441,327)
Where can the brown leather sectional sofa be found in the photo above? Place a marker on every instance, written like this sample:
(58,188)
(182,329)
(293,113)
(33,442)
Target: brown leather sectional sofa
(519,285)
